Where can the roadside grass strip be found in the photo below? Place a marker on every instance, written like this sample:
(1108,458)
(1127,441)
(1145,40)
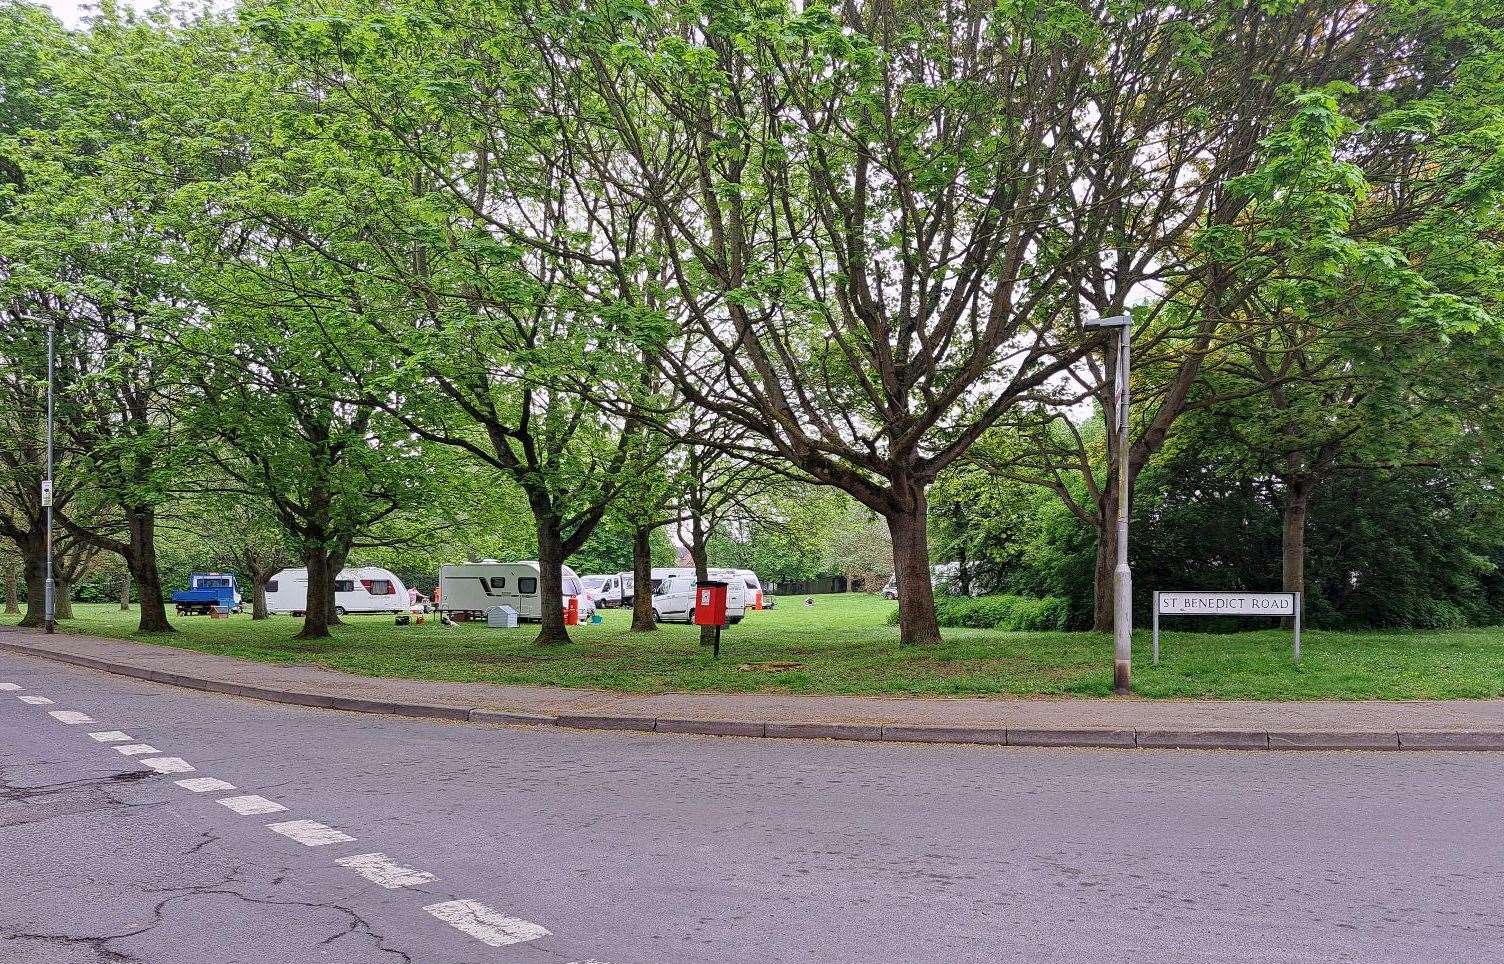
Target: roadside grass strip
(168,764)
(380,870)
(309,833)
(110,736)
(35,700)
(484,924)
(135,749)
(250,804)
(204,784)
(71,717)
(7,687)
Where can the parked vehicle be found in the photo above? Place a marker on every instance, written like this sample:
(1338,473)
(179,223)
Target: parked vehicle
(364,589)
(890,591)
(474,587)
(206,592)
(755,598)
(674,594)
(605,591)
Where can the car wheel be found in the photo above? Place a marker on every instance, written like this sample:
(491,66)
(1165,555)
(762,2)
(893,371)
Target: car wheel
(656,617)
(339,610)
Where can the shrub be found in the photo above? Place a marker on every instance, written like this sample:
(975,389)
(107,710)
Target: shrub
(1008,613)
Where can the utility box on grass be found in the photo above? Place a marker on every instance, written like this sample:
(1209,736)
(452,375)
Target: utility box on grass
(710,603)
(710,608)
(501,617)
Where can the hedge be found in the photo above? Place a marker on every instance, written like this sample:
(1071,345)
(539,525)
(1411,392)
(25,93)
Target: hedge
(1010,613)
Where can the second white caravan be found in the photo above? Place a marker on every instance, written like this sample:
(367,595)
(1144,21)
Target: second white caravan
(474,587)
(364,589)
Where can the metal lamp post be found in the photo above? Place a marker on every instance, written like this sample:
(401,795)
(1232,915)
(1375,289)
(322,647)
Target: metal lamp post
(49,593)
(1122,576)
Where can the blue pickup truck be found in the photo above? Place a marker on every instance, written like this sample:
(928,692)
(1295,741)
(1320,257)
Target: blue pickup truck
(207,592)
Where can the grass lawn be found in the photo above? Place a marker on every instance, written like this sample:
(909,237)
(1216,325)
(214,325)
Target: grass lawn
(843,644)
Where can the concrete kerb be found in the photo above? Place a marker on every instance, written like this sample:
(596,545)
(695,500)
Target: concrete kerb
(885,732)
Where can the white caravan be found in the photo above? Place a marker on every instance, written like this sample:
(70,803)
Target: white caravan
(364,589)
(474,587)
(606,591)
(754,589)
(674,594)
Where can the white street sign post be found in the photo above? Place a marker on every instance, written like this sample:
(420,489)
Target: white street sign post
(1227,604)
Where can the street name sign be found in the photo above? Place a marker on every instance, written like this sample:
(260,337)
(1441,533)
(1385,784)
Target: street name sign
(1194,603)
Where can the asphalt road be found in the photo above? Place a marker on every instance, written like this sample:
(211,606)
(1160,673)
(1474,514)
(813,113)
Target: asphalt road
(547,845)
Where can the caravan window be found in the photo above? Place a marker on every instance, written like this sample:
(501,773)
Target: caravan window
(271,586)
(344,585)
(498,582)
(527,585)
(379,587)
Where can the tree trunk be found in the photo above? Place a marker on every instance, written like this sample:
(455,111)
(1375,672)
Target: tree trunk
(258,595)
(36,590)
(320,601)
(642,580)
(1297,506)
(699,555)
(62,599)
(143,566)
(125,590)
(12,588)
(336,563)
(552,631)
(917,623)
(1107,561)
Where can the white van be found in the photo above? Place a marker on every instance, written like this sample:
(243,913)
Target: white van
(475,587)
(606,591)
(674,594)
(364,589)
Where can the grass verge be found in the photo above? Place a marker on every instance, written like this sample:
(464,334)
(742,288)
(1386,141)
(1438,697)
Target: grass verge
(841,644)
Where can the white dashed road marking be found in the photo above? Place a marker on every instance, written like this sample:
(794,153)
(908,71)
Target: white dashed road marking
(204,784)
(71,716)
(309,833)
(471,917)
(110,736)
(251,804)
(380,870)
(168,764)
(484,924)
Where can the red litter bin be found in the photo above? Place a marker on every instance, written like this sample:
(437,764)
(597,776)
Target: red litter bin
(710,608)
(710,603)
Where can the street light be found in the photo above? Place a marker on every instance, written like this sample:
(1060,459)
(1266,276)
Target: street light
(49,593)
(1122,576)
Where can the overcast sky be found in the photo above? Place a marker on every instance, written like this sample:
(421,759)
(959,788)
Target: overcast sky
(72,12)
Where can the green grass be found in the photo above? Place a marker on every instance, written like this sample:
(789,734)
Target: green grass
(843,645)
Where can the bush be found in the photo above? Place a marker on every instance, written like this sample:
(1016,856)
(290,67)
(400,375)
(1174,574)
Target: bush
(1009,613)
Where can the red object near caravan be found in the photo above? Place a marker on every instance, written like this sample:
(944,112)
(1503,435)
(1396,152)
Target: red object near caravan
(710,603)
(572,611)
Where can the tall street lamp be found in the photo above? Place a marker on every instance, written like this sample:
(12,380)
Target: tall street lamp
(1122,576)
(49,593)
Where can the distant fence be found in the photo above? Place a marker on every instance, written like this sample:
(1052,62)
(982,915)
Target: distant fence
(813,587)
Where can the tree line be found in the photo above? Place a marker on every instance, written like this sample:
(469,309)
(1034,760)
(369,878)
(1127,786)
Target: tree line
(382,274)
